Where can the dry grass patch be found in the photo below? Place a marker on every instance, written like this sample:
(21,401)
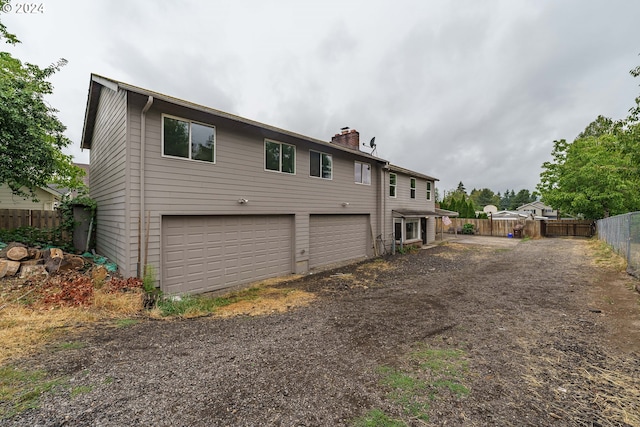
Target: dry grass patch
(27,322)
(269,300)
(454,250)
(603,255)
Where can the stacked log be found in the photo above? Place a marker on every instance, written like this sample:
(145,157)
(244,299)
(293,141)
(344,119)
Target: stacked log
(18,259)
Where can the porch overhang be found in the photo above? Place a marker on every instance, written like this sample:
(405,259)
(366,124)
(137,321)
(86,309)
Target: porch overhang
(407,213)
(412,213)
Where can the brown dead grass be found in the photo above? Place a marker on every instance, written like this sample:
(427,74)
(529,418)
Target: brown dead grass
(270,300)
(604,256)
(611,397)
(24,329)
(454,250)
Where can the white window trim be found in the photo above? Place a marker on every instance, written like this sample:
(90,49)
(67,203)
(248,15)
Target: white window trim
(395,186)
(403,238)
(264,157)
(404,230)
(361,174)
(412,190)
(429,190)
(182,119)
(321,154)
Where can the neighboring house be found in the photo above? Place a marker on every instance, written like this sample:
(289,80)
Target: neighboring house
(48,199)
(539,209)
(513,215)
(213,200)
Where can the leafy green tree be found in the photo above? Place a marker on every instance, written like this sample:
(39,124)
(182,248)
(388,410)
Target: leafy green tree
(598,174)
(484,197)
(507,200)
(31,136)
(590,177)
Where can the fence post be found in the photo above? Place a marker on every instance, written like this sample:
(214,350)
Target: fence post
(628,239)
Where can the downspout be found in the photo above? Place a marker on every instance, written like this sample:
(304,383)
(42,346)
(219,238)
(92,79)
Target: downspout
(383,193)
(143,136)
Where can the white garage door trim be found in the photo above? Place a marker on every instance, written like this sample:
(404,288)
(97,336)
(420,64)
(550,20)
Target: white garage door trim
(207,253)
(337,238)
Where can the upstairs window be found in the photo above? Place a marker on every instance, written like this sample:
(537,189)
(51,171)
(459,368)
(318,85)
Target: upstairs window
(393,178)
(362,173)
(187,139)
(279,157)
(428,190)
(413,188)
(320,165)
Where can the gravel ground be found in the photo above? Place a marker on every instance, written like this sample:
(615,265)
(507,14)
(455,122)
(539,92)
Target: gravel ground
(546,338)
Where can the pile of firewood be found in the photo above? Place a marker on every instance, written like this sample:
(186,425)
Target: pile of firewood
(19,260)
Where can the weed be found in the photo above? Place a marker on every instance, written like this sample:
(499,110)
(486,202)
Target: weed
(409,249)
(407,391)
(72,345)
(433,370)
(199,305)
(81,389)
(124,323)
(21,390)
(377,418)
(149,279)
(108,380)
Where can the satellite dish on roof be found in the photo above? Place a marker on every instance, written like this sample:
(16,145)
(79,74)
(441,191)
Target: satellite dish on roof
(372,145)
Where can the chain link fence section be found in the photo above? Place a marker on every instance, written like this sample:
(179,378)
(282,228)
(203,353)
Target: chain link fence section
(622,232)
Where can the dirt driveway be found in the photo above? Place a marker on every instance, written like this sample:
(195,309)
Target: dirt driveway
(533,333)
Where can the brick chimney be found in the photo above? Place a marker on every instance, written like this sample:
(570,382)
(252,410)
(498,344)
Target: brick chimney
(349,138)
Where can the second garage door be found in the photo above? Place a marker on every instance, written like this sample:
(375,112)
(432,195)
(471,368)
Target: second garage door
(206,253)
(336,238)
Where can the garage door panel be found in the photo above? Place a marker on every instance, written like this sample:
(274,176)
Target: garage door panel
(336,238)
(207,253)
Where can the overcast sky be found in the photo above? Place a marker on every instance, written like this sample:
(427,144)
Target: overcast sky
(471,91)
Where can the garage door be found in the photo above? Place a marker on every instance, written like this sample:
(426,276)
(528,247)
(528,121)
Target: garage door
(336,238)
(206,253)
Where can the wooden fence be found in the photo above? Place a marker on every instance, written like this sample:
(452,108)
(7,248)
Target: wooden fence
(16,218)
(583,228)
(502,228)
(487,227)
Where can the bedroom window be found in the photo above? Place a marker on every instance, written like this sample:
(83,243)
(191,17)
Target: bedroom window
(428,190)
(362,173)
(320,165)
(279,157)
(189,140)
(413,188)
(393,179)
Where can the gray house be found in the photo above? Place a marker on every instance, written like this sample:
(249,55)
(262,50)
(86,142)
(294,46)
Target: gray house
(213,200)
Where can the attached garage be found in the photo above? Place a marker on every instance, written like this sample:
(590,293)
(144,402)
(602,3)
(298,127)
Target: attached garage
(336,238)
(206,253)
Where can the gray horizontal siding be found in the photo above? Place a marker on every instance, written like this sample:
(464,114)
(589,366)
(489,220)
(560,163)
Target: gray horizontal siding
(175,186)
(109,175)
